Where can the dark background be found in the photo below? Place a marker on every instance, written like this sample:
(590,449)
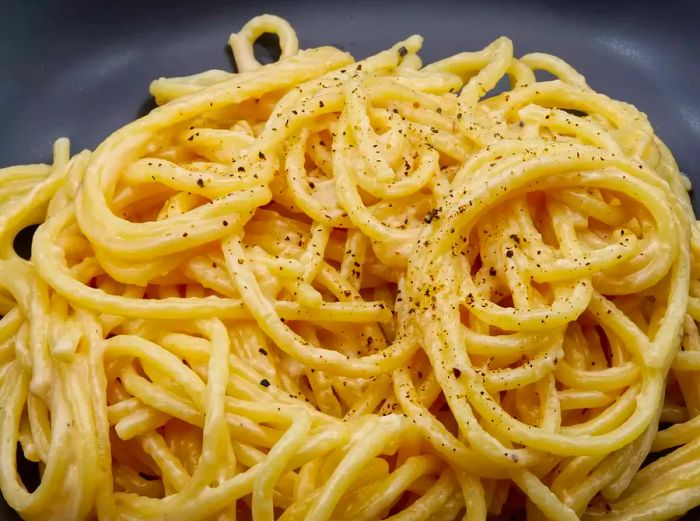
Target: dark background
(81,68)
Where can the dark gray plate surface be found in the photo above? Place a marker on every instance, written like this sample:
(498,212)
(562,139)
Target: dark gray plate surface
(81,68)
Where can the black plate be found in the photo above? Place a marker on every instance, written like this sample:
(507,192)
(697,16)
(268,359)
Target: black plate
(81,68)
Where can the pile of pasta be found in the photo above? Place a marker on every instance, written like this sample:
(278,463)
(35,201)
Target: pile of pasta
(329,289)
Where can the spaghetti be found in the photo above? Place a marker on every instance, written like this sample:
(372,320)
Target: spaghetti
(325,289)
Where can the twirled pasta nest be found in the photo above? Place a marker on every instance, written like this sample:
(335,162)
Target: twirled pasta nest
(325,289)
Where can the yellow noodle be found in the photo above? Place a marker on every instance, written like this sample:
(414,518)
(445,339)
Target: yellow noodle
(327,290)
